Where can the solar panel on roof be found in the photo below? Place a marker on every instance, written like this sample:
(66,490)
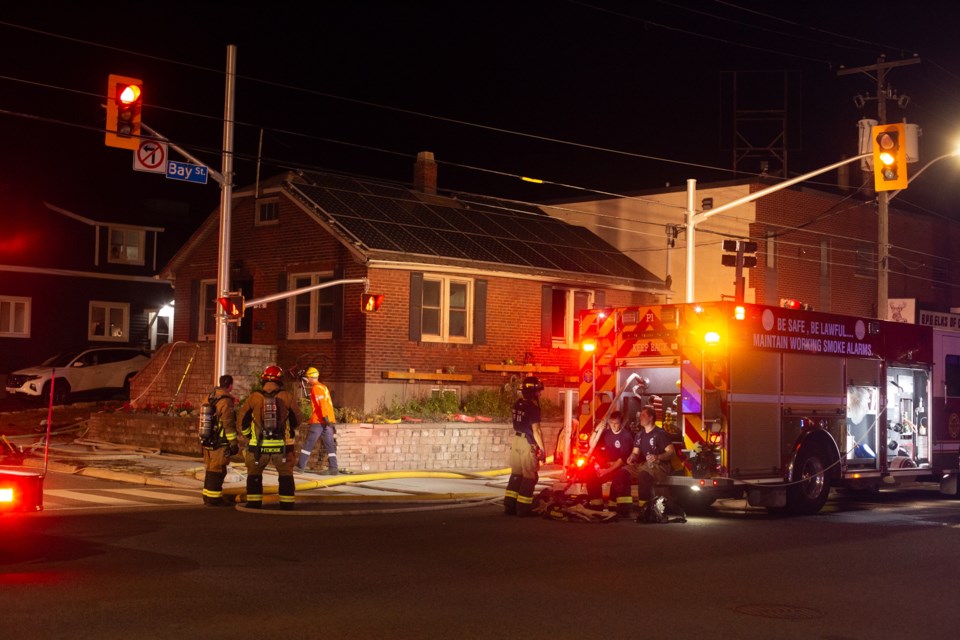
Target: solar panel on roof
(487,230)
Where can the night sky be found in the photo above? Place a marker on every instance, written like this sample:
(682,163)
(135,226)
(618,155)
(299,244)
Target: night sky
(599,95)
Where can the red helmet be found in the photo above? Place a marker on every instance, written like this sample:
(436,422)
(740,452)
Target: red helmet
(273,373)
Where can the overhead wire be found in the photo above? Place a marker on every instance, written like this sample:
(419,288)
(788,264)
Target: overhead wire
(406,111)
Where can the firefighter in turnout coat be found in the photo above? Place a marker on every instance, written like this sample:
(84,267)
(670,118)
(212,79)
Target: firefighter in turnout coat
(221,443)
(526,450)
(264,418)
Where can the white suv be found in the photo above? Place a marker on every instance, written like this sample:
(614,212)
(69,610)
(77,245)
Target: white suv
(87,371)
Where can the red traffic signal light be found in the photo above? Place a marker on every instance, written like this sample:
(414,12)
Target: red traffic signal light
(233,306)
(124,106)
(790,303)
(370,302)
(889,157)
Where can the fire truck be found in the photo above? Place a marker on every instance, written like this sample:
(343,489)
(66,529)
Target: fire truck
(779,405)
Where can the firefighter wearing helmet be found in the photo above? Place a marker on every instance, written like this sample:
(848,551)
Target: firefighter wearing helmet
(526,449)
(268,422)
(322,424)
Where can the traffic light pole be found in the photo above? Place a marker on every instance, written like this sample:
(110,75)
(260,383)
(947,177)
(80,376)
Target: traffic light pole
(226,195)
(694,218)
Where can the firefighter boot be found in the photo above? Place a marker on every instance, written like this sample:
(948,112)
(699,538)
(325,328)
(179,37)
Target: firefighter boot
(286,490)
(213,489)
(525,496)
(510,496)
(254,491)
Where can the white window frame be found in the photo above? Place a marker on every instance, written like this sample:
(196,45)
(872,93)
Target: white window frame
(203,302)
(262,203)
(313,333)
(444,335)
(110,333)
(12,303)
(140,244)
(569,339)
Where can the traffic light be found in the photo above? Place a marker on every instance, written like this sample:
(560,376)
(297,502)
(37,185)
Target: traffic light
(747,249)
(889,157)
(233,306)
(124,106)
(370,302)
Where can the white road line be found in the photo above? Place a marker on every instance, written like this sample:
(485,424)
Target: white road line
(86,497)
(197,498)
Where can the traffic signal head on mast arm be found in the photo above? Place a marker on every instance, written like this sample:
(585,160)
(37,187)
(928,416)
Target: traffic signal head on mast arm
(233,305)
(889,157)
(370,302)
(124,107)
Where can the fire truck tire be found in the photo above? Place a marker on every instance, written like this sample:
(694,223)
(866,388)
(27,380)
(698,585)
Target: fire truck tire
(812,487)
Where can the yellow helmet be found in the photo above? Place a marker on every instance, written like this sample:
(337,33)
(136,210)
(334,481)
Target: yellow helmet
(312,373)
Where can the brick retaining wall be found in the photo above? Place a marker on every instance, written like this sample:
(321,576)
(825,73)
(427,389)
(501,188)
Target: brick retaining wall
(360,447)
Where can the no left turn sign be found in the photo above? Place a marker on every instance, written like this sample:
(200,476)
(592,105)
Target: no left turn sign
(151,156)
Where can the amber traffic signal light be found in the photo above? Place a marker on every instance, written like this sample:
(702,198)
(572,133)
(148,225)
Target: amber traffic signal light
(370,302)
(889,157)
(124,107)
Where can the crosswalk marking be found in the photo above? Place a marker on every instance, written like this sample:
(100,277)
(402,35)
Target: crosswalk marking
(156,495)
(58,499)
(85,497)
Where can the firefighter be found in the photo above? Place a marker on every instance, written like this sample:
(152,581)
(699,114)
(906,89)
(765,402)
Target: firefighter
(263,418)
(219,443)
(653,449)
(526,449)
(613,446)
(322,424)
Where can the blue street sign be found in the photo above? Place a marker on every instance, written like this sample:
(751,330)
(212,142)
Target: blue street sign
(187,172)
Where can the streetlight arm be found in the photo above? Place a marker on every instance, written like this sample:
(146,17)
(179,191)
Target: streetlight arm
(924,168)
(693,218)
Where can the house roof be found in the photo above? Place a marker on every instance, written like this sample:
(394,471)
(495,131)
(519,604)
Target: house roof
(391,224)
(395,224)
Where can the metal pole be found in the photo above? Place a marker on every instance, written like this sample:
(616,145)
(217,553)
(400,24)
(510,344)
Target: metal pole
(691,225)
(226,194)
(883,209)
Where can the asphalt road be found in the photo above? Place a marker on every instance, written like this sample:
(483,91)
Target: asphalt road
(882,567)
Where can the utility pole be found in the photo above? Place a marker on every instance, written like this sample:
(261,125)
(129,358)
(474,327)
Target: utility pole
(884,93)
(226,195)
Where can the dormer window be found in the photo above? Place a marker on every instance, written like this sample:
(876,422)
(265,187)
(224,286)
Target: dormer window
(268,211)
(126,246)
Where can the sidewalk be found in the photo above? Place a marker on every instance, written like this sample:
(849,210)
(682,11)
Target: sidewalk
(106,461)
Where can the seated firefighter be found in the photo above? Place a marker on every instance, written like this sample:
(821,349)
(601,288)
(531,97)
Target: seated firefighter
(650,460)
(611,449)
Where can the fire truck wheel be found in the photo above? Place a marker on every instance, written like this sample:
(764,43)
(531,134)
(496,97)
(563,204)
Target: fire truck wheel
(808,496)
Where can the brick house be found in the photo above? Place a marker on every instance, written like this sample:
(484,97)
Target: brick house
(70,279)
(815,245)
(474,287)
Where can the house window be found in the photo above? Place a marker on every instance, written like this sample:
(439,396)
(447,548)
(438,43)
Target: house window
(109,321)
(565,316)
(208,310)
(771,250)
(866,264)
(447,310)
(824,256)
(268,211)
(311,313)
(126,246)
(14,317)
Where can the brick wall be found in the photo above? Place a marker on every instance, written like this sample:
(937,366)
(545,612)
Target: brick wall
(921,265)
(360,447)
(183,372)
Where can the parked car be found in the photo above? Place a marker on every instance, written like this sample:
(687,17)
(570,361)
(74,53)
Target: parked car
(91,371)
